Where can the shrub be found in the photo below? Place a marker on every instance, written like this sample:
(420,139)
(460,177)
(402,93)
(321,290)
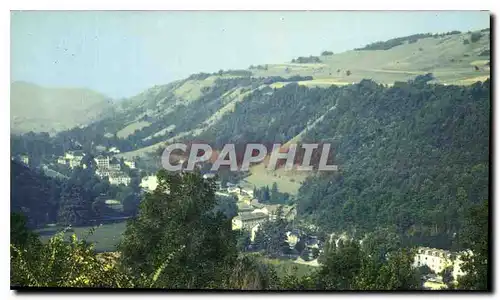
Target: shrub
(475,36)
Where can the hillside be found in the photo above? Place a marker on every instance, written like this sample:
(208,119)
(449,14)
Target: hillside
(280,102)
(39,109)
(33,194)
(189,107)
(451,58)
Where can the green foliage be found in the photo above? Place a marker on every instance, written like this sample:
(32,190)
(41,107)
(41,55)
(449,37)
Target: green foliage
(348,267)
(413,157)
(33,195)
(306,60)
(249,274)
(271,237)
(61,263)
(475,36)
(271,196)
(178,217)
(20,235)
(386,45)
(474,237)
(447,275)
(75,207)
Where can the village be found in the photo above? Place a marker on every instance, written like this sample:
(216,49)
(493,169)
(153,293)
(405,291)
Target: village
(252,214)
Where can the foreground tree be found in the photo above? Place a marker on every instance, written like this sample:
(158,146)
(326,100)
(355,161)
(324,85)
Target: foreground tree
(475,238)
(59,262)
(177,222)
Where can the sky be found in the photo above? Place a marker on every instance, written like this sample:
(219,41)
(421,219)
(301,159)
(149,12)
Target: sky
(122,53)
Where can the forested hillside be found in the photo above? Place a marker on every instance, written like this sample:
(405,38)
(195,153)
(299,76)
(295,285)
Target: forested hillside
(33,195)
(413,158)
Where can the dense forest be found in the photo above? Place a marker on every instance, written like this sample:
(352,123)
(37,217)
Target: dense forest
(412,157)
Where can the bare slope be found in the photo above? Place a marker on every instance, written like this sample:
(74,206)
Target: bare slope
(36,108)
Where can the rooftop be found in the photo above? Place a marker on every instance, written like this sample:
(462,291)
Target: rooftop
(247,216)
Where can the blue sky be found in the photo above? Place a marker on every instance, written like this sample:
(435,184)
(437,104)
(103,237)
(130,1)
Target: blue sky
(123,53)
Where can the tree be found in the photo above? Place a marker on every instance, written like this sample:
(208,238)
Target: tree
(243,240)
(75,207)
(447,275)
(475,36)
(60,263)
(271,237)
(178,220)
(20,236)
(475,238)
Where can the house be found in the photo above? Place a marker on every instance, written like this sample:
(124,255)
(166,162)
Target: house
(114,167)
(25,159)
(102,162)
(233,189)
(101,173)
(438,259)
(435,259)
(113,150)
(244,207)
(130,164)
(255,203)
(73,163)
(117,178)
(149,183)
(248,220)
(76,155)
(261,210)
(62,161)
(292,238)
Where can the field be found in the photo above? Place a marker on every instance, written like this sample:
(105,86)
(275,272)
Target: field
(129,129)
(105,237)
(286,266)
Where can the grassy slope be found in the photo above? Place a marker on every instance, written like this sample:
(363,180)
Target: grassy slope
(442,56)
(53,109)
(105,237)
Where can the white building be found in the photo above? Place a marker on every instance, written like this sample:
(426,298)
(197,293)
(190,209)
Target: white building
(114,150)
(114,167)
(149,183)
(102,173)
(25,159)
(117,178)
(248,220)
(438,259)
(102,162)
(76,155)
(130,164)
